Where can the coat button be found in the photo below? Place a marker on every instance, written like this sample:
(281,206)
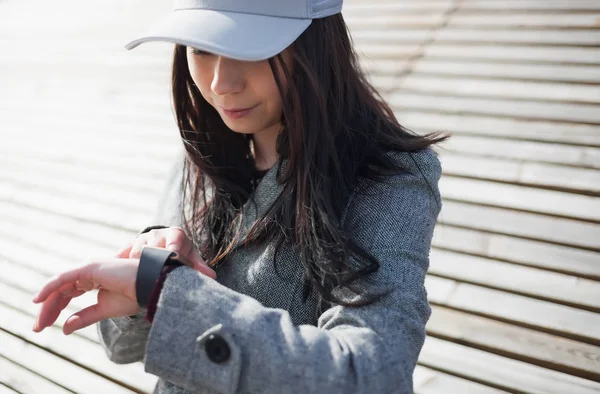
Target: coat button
(217,349)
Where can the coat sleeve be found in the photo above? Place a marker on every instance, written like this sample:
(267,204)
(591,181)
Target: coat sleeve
(124,339)
(230,343)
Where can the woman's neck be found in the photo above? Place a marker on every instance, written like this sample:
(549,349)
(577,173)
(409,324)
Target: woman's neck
(265,152)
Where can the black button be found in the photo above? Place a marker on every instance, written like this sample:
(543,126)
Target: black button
(217,349)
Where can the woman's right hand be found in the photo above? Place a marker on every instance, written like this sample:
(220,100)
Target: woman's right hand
(171,238)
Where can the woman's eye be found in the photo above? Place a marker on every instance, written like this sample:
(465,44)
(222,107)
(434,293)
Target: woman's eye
(199,52)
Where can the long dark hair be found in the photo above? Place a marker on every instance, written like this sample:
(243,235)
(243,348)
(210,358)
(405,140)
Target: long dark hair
(336,129)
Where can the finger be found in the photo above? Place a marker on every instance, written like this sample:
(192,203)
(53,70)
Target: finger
(177,241)
(58,281)
(124,253)
(52,307)
(201,266)
(84,318)
(138,244)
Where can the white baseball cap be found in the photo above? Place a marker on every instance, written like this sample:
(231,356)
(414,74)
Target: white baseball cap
(239,29)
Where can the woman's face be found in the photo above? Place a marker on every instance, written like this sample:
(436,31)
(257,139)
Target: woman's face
(244,93)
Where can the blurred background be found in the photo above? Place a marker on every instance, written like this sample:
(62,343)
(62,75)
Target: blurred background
(88,138)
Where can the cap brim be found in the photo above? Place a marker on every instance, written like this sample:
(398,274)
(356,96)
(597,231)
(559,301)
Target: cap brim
(235,35)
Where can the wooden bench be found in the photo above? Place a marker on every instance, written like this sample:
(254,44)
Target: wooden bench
(514,281)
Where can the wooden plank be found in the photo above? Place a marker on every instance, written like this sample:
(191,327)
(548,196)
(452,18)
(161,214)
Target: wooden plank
(541,315)
(519,36)
(429,381)
(518,129)
(519,343)
(520,197)
(516,150)
(79,350)
(430,20)
(404,7)
(390,35)
(512,375)
(54,368)
(522,53)
(114,176)
(6,390)
(74,207)
(64,235)
(571,261)
(521,224)
(537,174)
(583,20)
(529,110)
(25,381)
(584,73)
(394,51)
(533,282)
(502,89)
(531,5)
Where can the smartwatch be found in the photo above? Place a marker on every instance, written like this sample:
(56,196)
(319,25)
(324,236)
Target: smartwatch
(152,262)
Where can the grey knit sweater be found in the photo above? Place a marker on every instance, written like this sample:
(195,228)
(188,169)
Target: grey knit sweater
(249,330)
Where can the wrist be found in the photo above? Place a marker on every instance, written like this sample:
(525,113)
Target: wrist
(151,265)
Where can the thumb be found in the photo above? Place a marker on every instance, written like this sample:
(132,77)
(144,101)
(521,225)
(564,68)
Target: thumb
(124,253)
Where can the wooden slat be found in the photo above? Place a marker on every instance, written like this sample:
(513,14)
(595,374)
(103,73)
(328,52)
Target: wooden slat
(491,69)
(538,174)
(588,20)
(512,375)
(520,343)
(25,381)
(428,381)
(384,21)
(545,316)
(551,286)
(79,350)
(530,110)
(518,129)
(521,197)
(517,151)
(521,224)
(502,89)
(523,53)
(571,261)
(532,5)
(74,207)
(53,368)
(6,390)
(520,36)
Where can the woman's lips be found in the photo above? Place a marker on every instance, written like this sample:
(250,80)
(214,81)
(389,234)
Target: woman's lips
(236,113)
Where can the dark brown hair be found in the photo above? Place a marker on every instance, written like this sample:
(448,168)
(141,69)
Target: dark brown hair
(336,129)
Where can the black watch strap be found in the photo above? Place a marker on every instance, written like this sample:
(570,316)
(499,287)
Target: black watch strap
(152,261)
(155,227)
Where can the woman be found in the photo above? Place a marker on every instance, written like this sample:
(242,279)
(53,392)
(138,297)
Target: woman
(305,218)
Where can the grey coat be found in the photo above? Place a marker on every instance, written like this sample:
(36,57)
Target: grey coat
(250,332)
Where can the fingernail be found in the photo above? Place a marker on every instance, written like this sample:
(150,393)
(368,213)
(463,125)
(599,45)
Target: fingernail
(35,297)
(171,247)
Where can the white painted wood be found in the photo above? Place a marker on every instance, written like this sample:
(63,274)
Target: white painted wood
(560,319)
(54,368)
(501,371)
(479,124)
(513,278)
(521,197)
(544,255)
(529,110)
(493,69)
(25,381)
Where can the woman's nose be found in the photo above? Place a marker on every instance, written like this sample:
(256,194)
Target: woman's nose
(227,77)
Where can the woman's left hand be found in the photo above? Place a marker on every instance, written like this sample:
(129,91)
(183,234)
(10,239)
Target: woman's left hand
(115,280)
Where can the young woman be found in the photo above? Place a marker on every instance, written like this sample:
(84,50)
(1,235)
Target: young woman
(304,218)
